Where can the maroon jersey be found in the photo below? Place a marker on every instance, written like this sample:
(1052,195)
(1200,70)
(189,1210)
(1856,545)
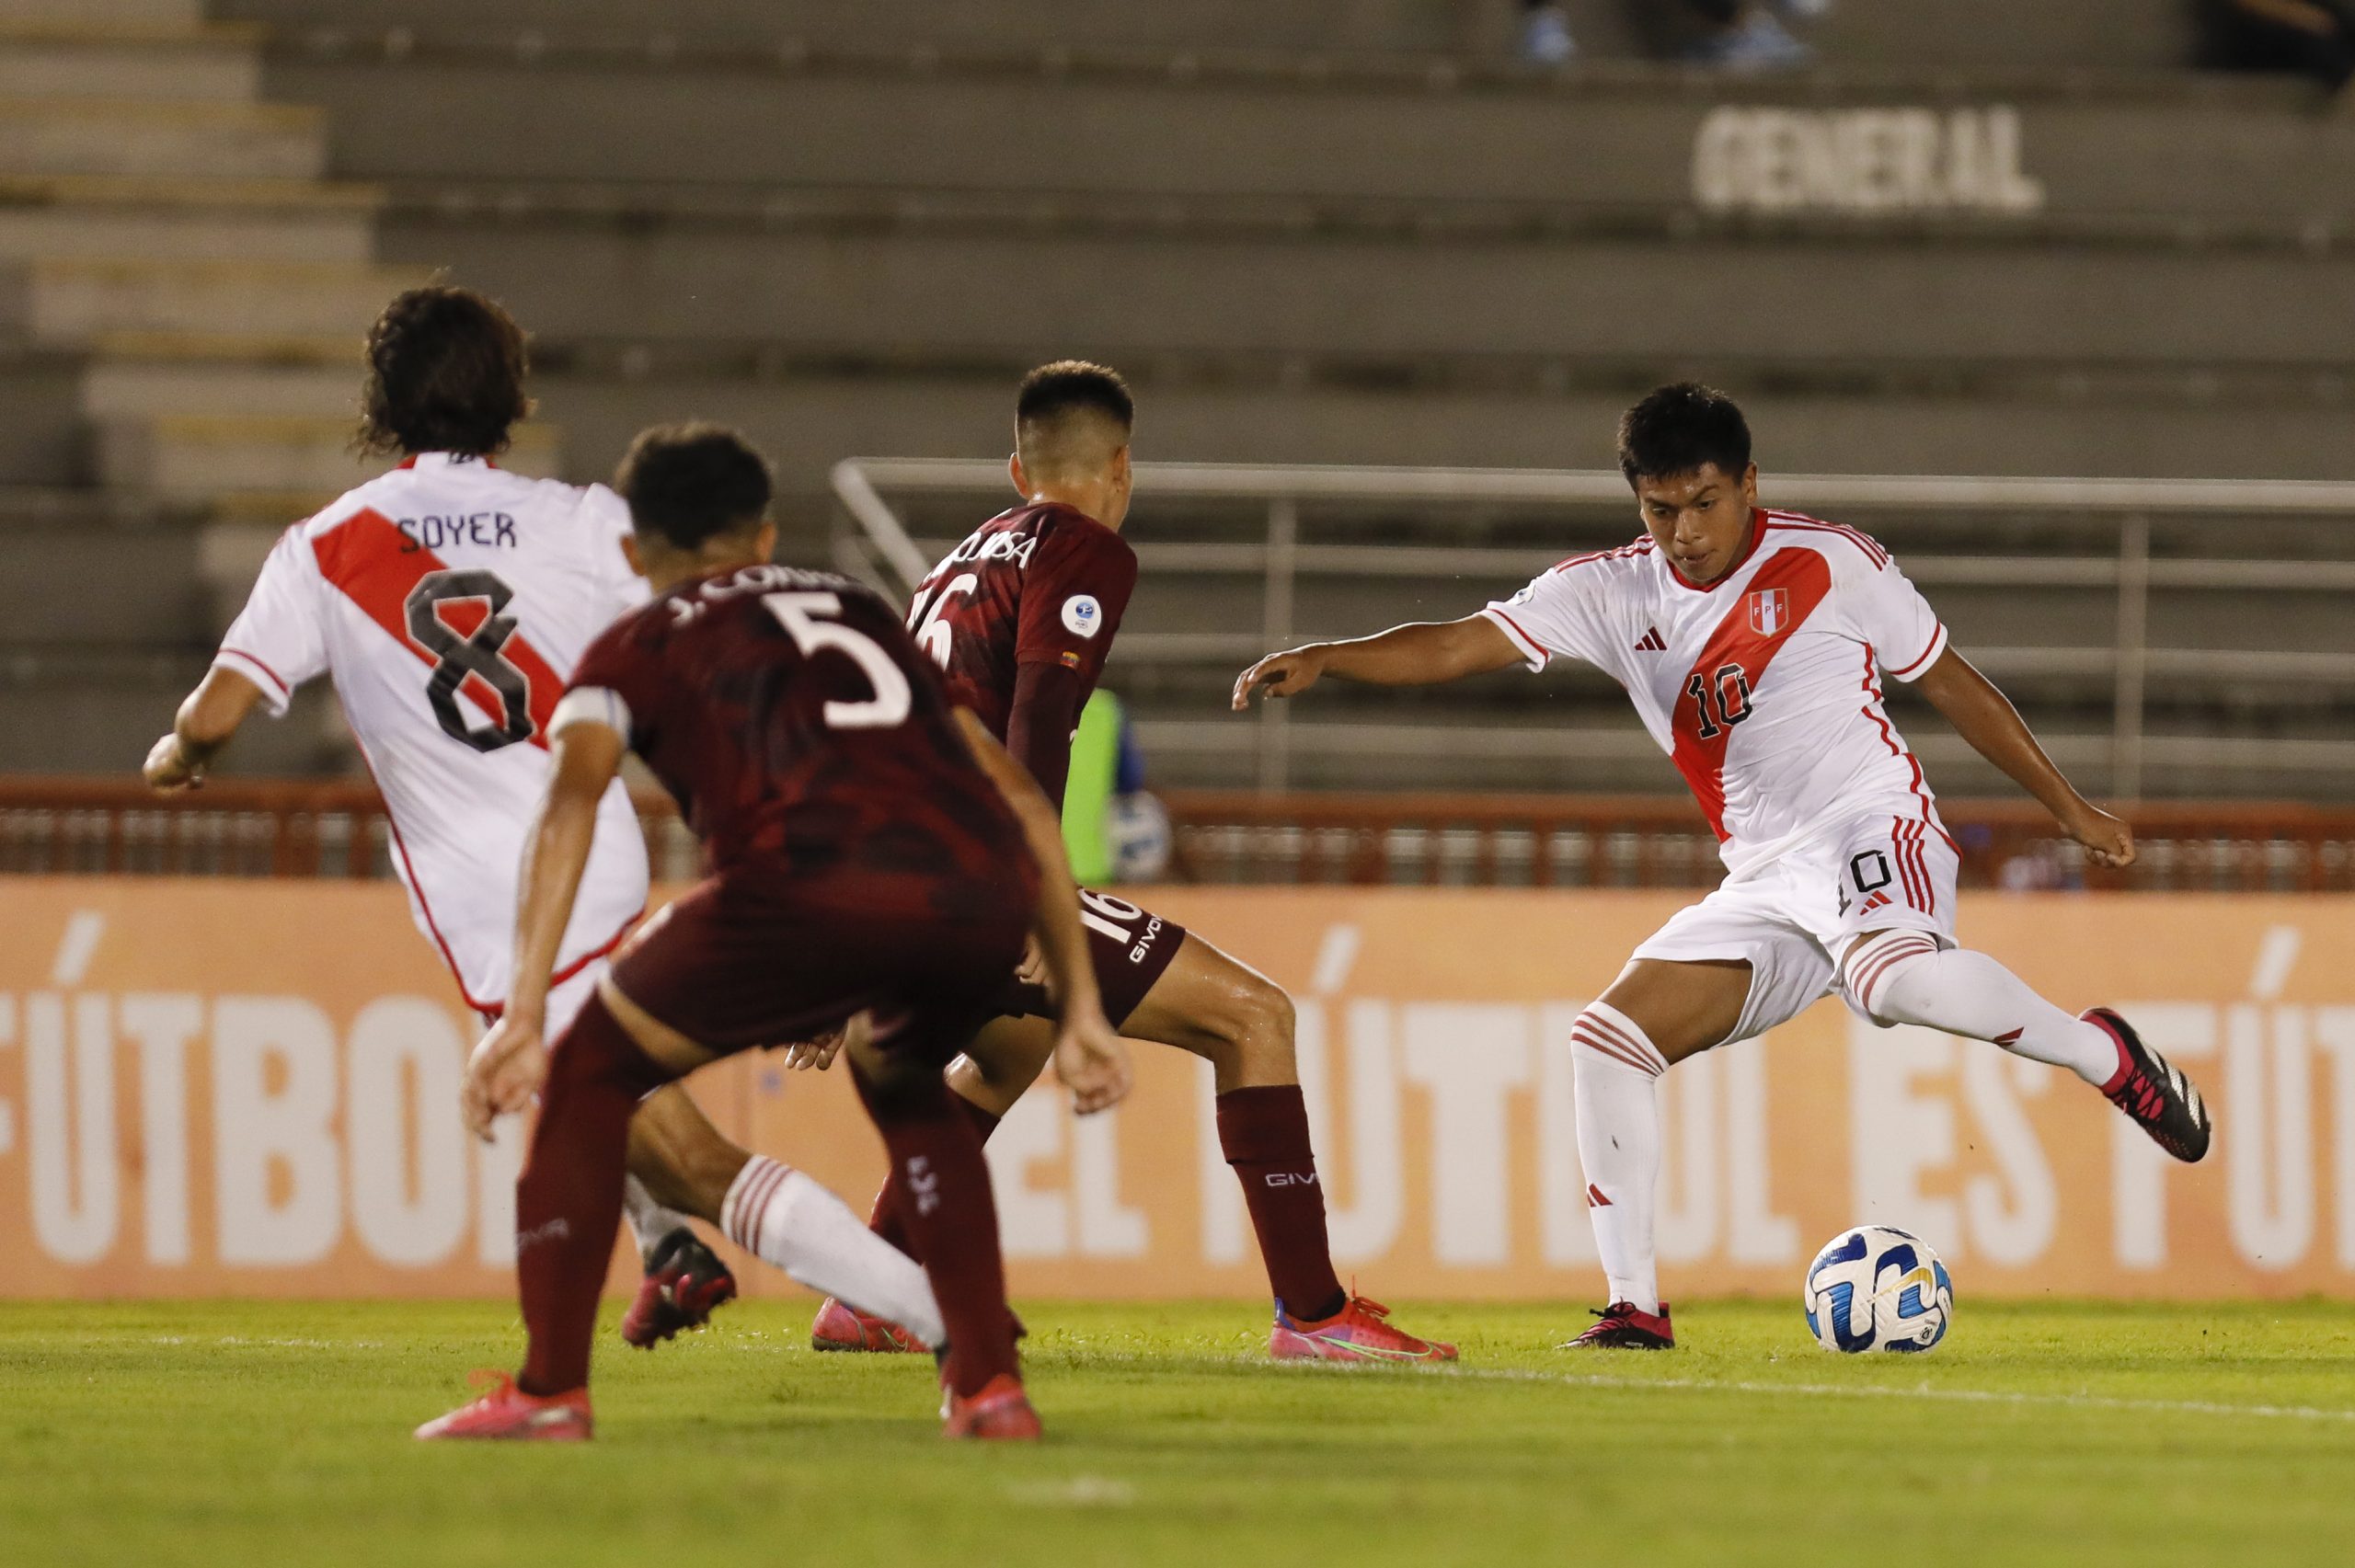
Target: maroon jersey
(806,739)
(1038,584)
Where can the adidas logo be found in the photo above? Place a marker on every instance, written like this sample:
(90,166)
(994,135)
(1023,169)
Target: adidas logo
(1651,641)
(1877,901)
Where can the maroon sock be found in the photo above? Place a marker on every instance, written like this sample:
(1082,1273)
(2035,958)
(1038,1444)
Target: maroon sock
(951,1218)
(886,1221)
(569,1199)
(1265,1134)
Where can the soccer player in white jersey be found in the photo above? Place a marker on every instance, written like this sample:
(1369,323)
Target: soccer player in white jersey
(1753,643)
(449,600)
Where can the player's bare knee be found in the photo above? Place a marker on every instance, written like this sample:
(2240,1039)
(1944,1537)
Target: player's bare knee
(1683,1007)
(1259,1023)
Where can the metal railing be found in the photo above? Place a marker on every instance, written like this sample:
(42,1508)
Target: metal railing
(884,548)
(1241,836)
(69,826)
(113,827)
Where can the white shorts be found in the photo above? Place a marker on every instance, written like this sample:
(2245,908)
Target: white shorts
(1794,917)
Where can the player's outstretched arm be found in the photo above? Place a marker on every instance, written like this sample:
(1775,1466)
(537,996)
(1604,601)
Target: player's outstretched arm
(1089,1058)
(1425,653)
(510,1062)
(1985,717)
(205,723)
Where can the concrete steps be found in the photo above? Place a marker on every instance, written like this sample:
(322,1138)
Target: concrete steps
(48,61)
(94,217)
(274,466)
(90,301)
(809,421)
(1767,301)
(185,14)
(182,301)
(1343,24)
(120,389)
(154,595)
(2191,149)
(194,139)
(87,712)
(1964,34)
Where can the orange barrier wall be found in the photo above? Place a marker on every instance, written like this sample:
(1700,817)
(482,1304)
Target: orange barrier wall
(247,1088)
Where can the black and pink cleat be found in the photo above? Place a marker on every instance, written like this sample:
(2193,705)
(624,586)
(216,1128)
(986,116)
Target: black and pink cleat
(2162,1100)
(684,1284)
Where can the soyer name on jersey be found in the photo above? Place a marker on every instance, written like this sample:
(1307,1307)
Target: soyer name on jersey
(493,530)
(1015,547)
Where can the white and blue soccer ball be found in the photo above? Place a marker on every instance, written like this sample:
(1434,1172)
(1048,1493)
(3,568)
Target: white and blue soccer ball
(1876,1287)
(1136,829)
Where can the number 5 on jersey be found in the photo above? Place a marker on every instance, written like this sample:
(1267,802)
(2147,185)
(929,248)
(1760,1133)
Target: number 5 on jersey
(806,617)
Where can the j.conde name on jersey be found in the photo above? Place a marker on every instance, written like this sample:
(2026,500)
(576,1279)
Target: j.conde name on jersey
(767,577)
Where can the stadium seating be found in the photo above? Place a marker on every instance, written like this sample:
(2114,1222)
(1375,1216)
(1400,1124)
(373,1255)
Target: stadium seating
(1972,34)
(1454,261)
(1491,248)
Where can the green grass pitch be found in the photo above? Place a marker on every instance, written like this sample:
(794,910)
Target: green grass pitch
(247,1434)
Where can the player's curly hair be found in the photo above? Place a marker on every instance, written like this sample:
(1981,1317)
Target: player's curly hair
(692,482)
(445,373)
(1682,429)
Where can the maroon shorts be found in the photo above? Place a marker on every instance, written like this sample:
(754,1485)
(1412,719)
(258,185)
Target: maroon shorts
(1129,947)
(738,963)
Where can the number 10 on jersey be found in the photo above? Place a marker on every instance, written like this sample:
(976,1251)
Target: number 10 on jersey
(1728,690)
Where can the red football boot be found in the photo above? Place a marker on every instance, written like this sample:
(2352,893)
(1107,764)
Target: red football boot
(844,1327)
(1624,1328)
(508,1413)
(684,1283)
(1359,1332)
(1000,1411)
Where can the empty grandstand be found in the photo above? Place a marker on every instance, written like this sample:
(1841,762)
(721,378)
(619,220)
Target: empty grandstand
(2022,241)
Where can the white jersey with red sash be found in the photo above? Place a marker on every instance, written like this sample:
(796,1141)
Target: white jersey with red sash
(1764,686)
(449,600)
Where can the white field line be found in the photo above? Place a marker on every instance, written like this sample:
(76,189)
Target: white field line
(1885,1390)
(754,1346)
(1754,1386)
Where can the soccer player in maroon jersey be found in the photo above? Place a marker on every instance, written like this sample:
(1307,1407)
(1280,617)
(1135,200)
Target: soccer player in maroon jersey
(873,851)
(1022,616)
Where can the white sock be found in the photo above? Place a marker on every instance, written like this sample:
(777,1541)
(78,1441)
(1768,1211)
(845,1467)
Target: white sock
(786,1220)
(1899,977)
(1615,1070)
(649,1223)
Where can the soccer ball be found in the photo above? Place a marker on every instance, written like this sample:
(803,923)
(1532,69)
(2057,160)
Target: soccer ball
(1878,1289)
(1136,828)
